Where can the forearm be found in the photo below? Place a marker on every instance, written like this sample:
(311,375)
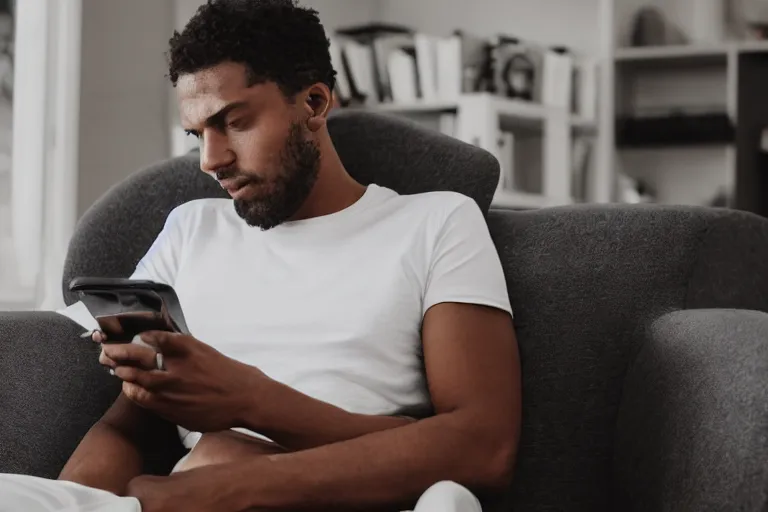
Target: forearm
(105,459)
(299,422)
(390,468)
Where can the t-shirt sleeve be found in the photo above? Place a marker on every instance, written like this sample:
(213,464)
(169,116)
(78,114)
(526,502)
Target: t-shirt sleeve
(465,266)
(162,261)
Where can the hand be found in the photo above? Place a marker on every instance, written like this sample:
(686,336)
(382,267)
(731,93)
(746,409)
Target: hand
(200,388)
(196,490)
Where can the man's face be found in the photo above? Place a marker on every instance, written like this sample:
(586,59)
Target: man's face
(253,140)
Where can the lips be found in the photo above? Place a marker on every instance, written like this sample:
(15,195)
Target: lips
(233,185)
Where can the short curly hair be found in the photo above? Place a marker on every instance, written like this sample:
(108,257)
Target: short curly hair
(277,41)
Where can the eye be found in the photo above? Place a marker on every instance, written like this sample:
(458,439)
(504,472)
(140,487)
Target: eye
(238,124)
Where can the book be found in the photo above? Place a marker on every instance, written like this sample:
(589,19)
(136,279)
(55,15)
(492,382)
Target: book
(343,88)
(460,59)
(426,65)
(383,47)
(360,65)
(403,77)
(507,162)
(382,39)
(557,78)
(585,88)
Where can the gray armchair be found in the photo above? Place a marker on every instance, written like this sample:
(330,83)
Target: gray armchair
(642,331)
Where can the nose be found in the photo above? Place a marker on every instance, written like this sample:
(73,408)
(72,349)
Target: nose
(215,152)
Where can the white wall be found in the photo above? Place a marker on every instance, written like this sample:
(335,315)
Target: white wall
(123,121)
(333,13)
(569,22)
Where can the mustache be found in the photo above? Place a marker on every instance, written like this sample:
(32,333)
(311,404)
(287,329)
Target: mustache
(235,172)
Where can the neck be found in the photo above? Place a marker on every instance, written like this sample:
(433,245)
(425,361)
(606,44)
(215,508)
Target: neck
(334,190)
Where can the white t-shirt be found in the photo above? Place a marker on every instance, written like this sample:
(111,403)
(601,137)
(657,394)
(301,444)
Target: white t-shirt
(331,306)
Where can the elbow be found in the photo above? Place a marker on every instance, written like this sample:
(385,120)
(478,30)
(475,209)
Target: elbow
(500,465)
(487,450)
(492,462)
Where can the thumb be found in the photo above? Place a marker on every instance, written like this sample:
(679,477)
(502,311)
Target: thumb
(168,343)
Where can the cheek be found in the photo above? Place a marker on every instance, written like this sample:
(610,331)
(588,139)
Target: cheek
(258,148)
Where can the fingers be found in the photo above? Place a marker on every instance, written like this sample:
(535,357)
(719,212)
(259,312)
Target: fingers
(170,343)
(148,380)
(127,354)
(137,394)
(104,360)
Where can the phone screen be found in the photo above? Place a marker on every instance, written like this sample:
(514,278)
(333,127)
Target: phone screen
(123,327)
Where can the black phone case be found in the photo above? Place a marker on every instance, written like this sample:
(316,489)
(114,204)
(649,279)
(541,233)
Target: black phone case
(125,308)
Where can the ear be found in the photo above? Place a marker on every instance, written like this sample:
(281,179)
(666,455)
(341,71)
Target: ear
(318,102)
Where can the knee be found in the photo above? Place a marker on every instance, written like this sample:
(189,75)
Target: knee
(448,496)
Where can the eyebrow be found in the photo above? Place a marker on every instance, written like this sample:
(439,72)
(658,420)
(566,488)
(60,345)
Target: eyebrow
(217,119)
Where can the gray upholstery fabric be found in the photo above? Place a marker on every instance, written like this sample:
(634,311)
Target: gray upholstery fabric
(584,282)
(691,431)
(53,390)
(116,231)
(592,289)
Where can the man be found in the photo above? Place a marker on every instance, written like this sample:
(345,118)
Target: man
(352,347)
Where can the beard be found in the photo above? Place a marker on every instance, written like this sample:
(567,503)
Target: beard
(300,165)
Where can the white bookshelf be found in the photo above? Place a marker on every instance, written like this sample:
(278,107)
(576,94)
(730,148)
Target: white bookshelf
(673,53)
(688,53)
(512,113)
(480,120)
(690,77)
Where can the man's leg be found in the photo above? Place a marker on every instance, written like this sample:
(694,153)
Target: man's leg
(448,497)
(226,446)
(21,493)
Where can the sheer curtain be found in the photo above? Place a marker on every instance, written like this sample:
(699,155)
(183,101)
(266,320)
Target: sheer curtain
(45,133)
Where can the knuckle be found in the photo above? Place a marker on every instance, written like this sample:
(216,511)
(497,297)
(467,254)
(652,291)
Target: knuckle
(135,392)
(114,351)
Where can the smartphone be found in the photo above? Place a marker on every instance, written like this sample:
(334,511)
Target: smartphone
(124,308)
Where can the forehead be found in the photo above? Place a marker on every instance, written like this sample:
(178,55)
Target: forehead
(202,94)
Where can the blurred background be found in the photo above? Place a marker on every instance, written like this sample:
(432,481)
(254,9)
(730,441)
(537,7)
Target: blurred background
(657,101)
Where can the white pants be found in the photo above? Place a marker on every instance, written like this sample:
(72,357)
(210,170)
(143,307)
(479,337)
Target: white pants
(20,493)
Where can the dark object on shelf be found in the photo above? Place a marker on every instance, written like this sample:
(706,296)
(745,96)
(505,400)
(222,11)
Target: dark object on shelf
(675,130)
(372,30)
(651,28)
(515,68)
(486,79)
(722,199)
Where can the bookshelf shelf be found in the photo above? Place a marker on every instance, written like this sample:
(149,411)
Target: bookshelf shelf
(428,107)
(687,54)
(512,113)
(673,54)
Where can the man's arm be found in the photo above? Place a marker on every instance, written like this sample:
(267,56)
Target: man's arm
(109,456)
(299,422)
(473,369)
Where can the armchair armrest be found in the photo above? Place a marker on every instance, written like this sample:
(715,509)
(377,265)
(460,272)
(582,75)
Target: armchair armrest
(51,392)
(692,427)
